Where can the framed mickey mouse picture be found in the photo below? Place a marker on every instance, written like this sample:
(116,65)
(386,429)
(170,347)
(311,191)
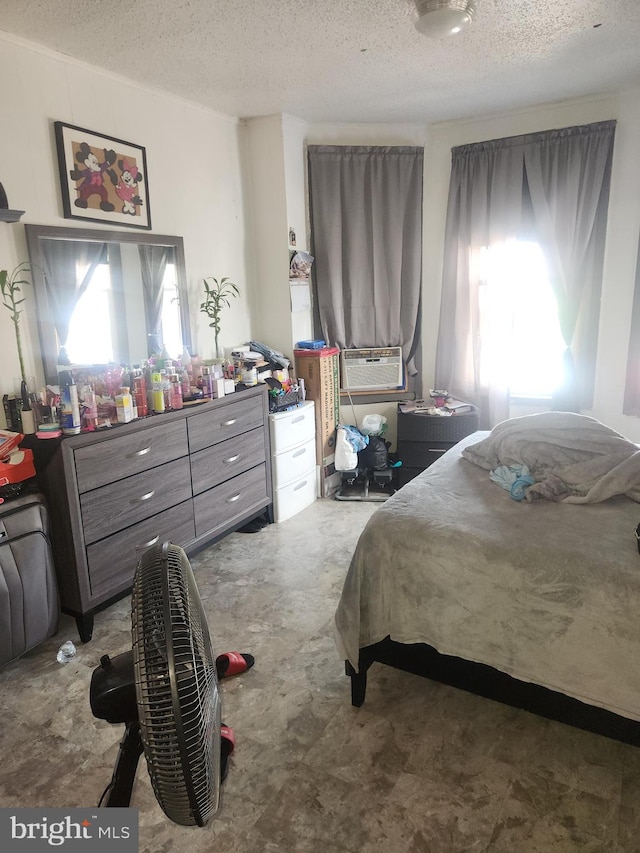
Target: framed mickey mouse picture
(103,179)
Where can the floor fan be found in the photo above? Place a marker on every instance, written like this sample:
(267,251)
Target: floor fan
(165,691)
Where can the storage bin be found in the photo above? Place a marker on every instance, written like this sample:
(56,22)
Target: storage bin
(293,459)
(293,427)
(290,500)
(292,464)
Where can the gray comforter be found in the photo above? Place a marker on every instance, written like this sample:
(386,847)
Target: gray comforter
(573,458)
(547,592)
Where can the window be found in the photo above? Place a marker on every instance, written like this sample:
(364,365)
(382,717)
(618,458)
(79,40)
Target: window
(93,325)
(90,339)
(170,319)
(521,345)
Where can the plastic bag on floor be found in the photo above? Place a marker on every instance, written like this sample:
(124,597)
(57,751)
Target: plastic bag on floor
(373,425)
(348,442)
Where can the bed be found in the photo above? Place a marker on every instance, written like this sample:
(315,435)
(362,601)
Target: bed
(532,602)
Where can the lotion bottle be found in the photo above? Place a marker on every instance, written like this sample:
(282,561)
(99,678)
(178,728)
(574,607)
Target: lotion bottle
(69,405)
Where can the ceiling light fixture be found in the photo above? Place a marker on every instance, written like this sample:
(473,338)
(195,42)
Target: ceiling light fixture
(438,18)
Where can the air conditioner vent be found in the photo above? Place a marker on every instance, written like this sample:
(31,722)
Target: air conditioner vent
(372,369)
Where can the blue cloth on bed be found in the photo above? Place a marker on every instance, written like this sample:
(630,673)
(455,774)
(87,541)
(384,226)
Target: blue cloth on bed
(516,479)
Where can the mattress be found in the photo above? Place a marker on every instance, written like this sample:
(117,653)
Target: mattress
(546,592)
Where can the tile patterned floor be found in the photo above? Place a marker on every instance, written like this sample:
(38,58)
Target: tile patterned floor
(420,768)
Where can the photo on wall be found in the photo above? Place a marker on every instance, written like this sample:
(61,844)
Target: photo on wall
(102,178)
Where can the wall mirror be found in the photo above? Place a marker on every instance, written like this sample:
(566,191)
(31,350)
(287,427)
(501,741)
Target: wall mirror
(107,296)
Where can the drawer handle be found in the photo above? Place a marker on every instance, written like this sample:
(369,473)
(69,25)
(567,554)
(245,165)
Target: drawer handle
(144,497)
(299,418)
(231,459)
(229,423)
(435,450)
(300,485)
(139,452)
(148,544)
(299,452)
(233,499)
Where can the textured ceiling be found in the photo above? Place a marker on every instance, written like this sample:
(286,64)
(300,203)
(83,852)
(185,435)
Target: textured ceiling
(345,60)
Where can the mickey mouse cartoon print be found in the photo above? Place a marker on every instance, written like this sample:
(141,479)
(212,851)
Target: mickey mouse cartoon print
(92,176)
(127,186)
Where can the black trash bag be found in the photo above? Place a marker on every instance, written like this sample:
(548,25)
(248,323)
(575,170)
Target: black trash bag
(375,455)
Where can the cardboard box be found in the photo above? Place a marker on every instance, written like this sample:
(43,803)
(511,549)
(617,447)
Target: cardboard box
(319,369)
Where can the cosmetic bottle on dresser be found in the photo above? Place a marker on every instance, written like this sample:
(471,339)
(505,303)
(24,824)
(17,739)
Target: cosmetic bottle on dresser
(176,391)
(157,393)
(69,404)
(140,394)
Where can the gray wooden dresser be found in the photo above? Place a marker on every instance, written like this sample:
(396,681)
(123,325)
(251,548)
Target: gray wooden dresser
(189,476)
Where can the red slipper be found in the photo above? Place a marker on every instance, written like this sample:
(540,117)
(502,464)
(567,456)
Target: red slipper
(233,663)
(227,745)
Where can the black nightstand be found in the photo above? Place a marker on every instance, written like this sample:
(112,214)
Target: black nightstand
(423,438)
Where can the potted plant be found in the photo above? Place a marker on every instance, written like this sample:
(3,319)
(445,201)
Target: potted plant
(217,294)
(10,284)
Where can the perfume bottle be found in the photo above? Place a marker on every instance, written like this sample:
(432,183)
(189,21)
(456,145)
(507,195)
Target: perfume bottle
(140,394)
(176,391)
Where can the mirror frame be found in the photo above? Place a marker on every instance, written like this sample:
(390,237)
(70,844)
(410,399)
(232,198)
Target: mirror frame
(46,328)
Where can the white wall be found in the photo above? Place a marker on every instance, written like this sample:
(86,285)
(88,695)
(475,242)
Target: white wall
(278,202)
(196,178)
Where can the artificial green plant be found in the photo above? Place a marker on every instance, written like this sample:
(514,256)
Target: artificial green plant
(217,294)
(10,284)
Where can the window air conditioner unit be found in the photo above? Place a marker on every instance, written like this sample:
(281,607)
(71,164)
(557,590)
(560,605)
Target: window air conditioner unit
(372,369)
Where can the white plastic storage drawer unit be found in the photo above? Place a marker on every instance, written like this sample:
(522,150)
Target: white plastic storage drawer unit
(293,459)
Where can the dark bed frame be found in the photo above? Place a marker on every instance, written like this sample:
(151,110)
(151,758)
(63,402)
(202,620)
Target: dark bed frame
(483,680)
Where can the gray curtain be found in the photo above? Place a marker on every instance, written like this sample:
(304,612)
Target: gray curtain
(485,204)
(64,288)
(153,263)
(631,405)
(552,187)
(366,231)
(568,174)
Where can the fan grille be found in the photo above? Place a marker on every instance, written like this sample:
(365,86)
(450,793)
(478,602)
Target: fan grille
(176,686)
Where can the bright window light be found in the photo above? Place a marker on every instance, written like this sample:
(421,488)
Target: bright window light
(171,331)
(90,340)
(521,344)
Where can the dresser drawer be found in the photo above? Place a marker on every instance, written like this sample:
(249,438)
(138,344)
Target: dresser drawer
(292,464)
(112,562)
(121,456)
(452,428)
(119,505)
(217,508)
(419,454)
(224,422)
(291,428)
(216,464)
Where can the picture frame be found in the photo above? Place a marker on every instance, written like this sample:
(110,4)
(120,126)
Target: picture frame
(102,178)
